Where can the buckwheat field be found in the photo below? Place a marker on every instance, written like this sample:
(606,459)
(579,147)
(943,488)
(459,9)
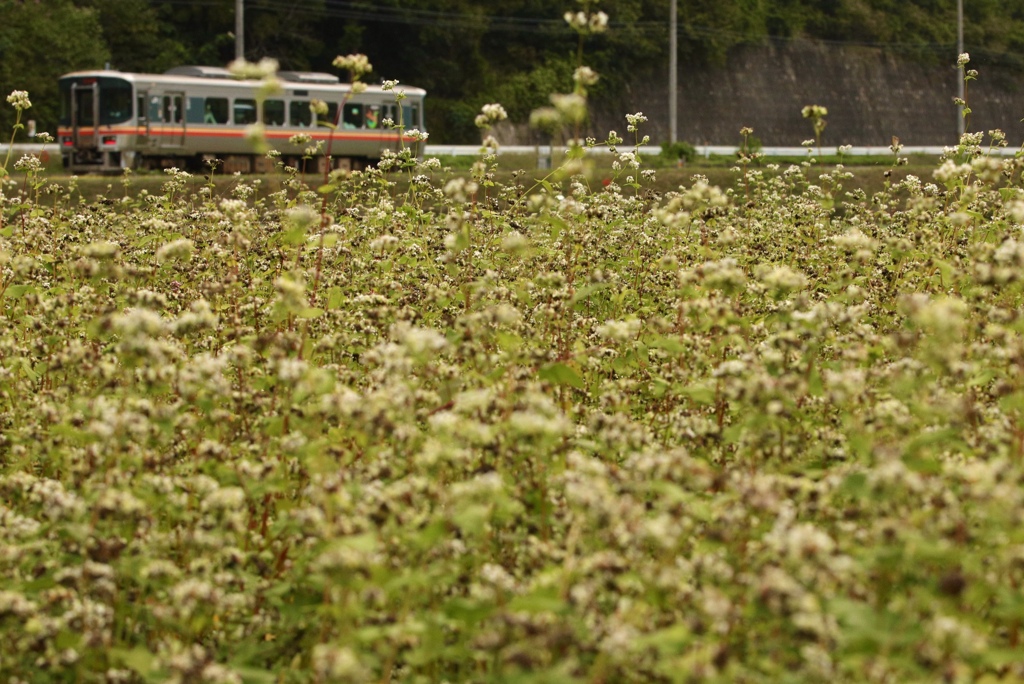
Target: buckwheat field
(406,426)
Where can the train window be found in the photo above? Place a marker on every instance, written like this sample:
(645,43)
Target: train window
(245,112)
(172,109)
(353,117)
(373,118)
(330,117)
(410,116)
(115,101)
(391,112)
(299,113)
(143,111)
(273,112)
(215,110)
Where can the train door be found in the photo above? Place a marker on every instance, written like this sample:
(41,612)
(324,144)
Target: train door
(411,121)
(85,107)
(142,116)
(390,113)
(172,114)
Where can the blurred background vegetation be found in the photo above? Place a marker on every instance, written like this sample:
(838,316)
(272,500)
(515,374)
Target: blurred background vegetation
(467,52)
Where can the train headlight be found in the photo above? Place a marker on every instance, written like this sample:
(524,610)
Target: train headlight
(110,140)
(66,141)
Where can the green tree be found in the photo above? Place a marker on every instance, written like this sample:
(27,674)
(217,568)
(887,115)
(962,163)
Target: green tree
(40,41)
(206,30)
(288,32)
(137,39)
(433,44)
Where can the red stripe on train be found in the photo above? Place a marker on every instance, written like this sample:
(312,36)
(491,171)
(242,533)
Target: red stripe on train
(215,133)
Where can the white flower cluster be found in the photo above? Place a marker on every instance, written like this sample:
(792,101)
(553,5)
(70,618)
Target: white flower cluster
(584,76)
(29,163)
(581,22)
(942,316)
(336,664)
(357,65)
(245,70)
(814,112)
(490,114)
(723,274)
(318,107)
(951,172)
(854,240)
(619,331)
(19,100)
(545,119)
(782,278)
(460,189)
(571,107)
(634,121)
(699,197)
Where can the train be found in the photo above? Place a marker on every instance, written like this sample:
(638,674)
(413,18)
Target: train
(190,115)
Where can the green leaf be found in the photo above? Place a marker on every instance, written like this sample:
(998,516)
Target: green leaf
(558,225)
(310,312)
(669,492)
(560,374)
(815,386)
(334,297)
(25,366)
(575,152)
(584,293)
(670,344)
(700,394)
(467,611)
(253,675)
(295,235)
(670,640)
(625,363)
(544,600)
(138,659)
(461,240)
(19,291)
(471,518)
(936,438)
(854,485)
(508,341)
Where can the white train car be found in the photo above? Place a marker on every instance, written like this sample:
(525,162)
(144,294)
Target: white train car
(111,120)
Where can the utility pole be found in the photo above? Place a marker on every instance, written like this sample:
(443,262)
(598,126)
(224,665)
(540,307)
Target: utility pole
(673,74)
(959,75)
(239,29)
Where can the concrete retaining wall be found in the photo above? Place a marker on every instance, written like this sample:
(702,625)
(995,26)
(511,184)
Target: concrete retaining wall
(871,95)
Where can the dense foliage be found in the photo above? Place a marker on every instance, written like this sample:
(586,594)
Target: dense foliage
(467,52)
(38,43)
(551,431)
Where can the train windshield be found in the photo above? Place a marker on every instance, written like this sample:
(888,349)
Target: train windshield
(86,98)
